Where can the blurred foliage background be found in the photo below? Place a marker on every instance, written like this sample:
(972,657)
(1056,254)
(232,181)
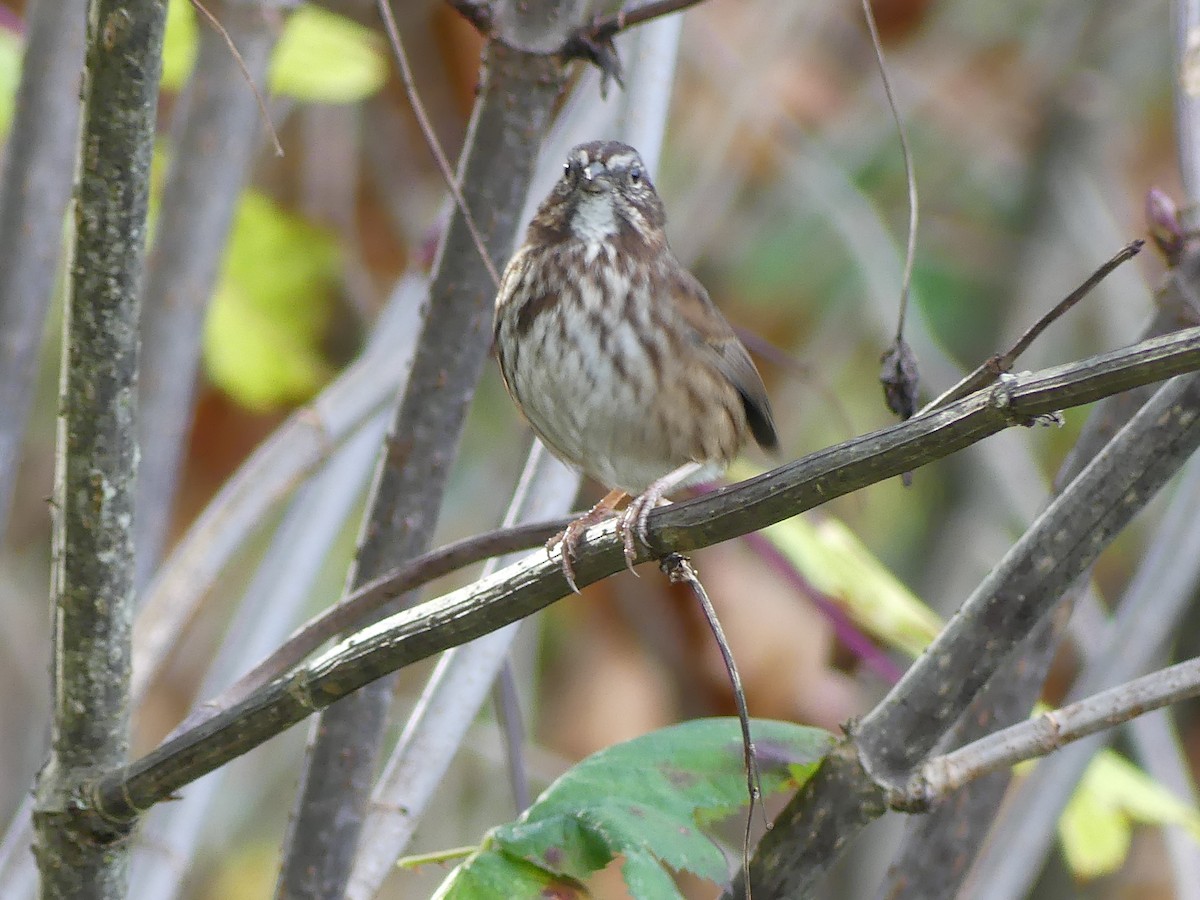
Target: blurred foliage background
(1036,129)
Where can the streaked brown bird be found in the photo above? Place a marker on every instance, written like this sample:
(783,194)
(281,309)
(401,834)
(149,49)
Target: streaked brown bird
(614,351)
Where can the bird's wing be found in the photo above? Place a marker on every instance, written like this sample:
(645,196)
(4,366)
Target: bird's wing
(712,331)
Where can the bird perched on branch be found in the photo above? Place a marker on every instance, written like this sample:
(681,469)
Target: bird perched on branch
(614,352)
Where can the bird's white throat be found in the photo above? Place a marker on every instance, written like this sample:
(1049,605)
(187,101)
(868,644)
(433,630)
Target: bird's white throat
(595,219)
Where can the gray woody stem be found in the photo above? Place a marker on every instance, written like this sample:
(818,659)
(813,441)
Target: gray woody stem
(516,98)
(537,581)
(1048,732)
(938,849)
(93,569)
(216,131)
(38,164)
(852,787)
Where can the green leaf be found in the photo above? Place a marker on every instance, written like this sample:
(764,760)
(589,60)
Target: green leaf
(834,561)
(326,58)
(1096,826)
(262,338)
(647,800)
(487,875)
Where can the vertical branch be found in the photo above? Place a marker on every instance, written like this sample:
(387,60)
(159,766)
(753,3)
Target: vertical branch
(217,131)
(92,575)
(38,164)
(516,98)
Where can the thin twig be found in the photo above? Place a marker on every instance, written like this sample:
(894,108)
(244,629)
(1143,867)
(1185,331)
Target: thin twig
(607,27)
(507,701)
(991,369)
(1048,732)
(431,140)
(594,41)
(368,599)
(262,103)
(680,570)
(910,175)
(1126,253)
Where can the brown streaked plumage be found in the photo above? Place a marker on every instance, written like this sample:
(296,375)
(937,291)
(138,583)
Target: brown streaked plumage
(613,350)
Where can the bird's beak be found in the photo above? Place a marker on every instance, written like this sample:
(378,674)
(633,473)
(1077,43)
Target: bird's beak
(594,179)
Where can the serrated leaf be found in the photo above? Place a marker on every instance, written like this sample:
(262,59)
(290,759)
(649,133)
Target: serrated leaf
(262,336)
(323,57)
(1096,826)
(835,562)
(647,800)
(486,875)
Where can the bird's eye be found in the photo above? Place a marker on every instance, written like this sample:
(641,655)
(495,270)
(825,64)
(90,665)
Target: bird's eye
(635,174)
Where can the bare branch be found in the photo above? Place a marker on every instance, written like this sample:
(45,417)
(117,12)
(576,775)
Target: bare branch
(517,96)
(214,142)
(536,581)
(431,140)
(895,737)
(594,42)
(989,370)
(92,580)
(1048,732)
(362,604)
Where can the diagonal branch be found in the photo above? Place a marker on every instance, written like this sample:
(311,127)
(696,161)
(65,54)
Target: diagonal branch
(1048,732)
(898,734)
(537,581)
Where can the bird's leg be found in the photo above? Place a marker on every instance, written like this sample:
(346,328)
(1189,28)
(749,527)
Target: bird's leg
(568,539)
(633,521)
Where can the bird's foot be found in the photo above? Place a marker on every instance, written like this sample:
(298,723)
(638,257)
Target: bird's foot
(567,541)
(634,522)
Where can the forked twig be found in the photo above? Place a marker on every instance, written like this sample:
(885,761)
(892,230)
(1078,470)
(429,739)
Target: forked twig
(899,374)
(237,56)
(910,175)
(435,146)
(679,569)
(991,369)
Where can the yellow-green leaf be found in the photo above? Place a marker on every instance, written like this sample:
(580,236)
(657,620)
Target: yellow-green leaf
(179,45)
(1096,826)
(326,58)
(834,561)
(262,339)
(321,57)
(11,52)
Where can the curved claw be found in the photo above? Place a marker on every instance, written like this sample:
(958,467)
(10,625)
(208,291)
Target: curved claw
(568,540)
(634,523)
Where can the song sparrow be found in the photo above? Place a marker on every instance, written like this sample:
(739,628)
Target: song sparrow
(614,351)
